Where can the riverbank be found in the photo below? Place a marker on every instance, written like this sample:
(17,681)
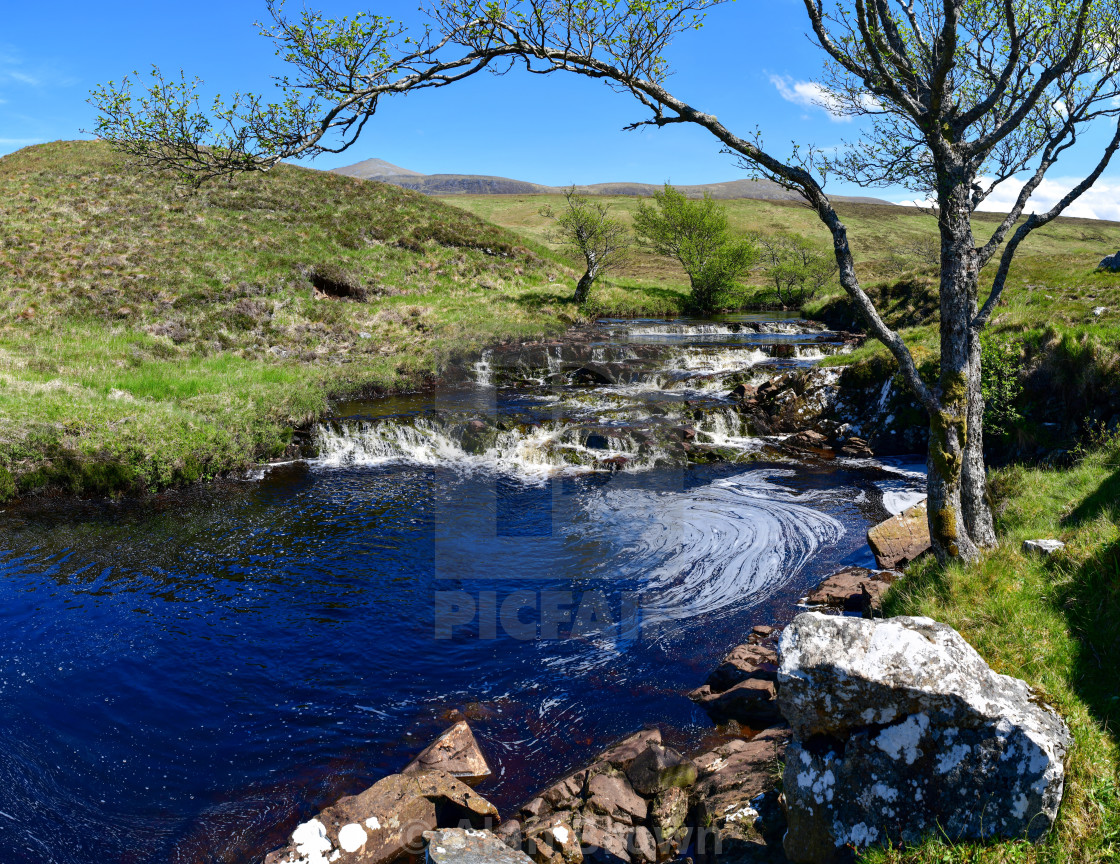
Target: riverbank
(152,336)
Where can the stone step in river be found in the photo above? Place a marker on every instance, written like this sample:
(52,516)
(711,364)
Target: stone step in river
(558,547)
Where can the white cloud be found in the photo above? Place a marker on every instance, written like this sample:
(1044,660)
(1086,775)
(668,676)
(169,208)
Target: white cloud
(1100,201)
(808,94)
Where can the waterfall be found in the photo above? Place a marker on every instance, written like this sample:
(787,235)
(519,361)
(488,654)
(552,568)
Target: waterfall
(482,369)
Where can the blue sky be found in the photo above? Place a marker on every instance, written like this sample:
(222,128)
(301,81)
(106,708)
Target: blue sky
(750,66)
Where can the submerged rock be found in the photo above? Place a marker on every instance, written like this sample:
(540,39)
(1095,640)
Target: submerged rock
(900,539)
(902,730)
(457,753)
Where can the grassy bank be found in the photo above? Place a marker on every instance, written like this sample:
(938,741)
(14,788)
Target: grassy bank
(1054,623)
(151,335)
(895,249)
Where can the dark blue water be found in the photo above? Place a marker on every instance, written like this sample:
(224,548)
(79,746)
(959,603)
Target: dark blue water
(184,679)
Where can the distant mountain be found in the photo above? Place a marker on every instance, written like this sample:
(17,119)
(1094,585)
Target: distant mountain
(376,168)
(479,184)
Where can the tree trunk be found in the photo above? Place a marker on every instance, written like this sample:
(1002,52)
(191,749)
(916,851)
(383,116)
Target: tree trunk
(584,288)
(949,425)
(974,479)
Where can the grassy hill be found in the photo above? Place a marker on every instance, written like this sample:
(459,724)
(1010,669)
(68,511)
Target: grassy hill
(152,335)
(890,243)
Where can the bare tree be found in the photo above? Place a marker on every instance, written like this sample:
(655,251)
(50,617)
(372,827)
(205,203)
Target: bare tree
(587,229)
(960,95)
(797,269)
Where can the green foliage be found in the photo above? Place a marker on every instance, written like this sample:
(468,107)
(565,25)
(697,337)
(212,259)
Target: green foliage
(1054,622)
(7,485)
(1000,382)
(151,336)
(797,269)
(697,234)
(586,228)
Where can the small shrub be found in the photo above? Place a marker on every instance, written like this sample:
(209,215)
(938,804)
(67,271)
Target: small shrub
(7,485)
(797,269)
(1000,383)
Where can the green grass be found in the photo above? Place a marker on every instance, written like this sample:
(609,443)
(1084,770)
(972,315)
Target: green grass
(151,335)
(1054,623)
(1053,276)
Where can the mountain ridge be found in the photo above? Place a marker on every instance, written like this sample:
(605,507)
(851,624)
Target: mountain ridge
(484,184)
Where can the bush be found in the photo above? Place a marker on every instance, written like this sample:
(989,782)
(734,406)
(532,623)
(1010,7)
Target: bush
(797,269)
(697,234)
(1001,361)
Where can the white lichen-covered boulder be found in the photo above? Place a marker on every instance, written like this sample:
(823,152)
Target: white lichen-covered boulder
(901,730)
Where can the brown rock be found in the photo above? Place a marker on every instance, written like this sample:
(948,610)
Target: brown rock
(658,768)
(668,813)
(604,840)
(555,840)
(743,662)
(456,752)
(642,848)
(744,391)
(807,440)
(900,539)
(752,702)
(387,821)
(733,776)
(844,590)
(626,750)
(612,795)
(742,687)
(762,631)
(535,809)
(509,832)
(565,794)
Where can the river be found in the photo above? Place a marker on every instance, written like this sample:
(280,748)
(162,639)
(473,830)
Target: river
(552,549)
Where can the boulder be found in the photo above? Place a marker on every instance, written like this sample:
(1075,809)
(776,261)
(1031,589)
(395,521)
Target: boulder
(729,798)
(743,392)
(807,440)
(611,794)
(1110,263)
(627,750)
(856,448)
(455,752)
(555,840)
(561,795)
(1042,547)
(668,818)
(465,846)
(742,687)
(845,589)
(900,539)
(658,768)
(900,730)
(387,821)
(752,702)
(604,840)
